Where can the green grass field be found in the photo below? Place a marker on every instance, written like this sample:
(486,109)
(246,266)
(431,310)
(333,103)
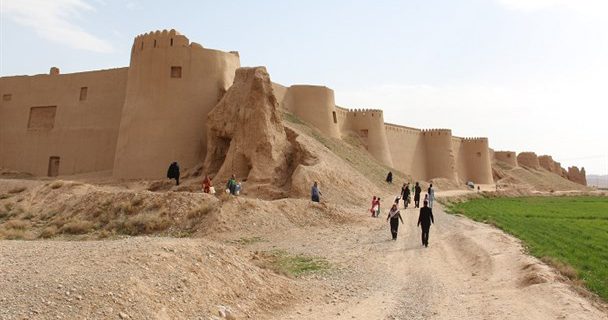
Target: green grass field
(570,230)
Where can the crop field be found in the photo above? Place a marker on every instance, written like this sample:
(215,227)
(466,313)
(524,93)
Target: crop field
(567,231)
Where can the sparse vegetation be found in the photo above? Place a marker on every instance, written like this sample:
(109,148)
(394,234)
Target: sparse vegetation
(282,262)
(56,184)
(48,232)
(77,227)
(199,212)
(244,241)
(144,224)
(568,233)
(17,190)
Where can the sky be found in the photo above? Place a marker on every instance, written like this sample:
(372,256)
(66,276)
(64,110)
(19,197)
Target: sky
(531,75)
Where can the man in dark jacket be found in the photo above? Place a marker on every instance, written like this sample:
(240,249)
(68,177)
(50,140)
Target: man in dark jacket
(424,221)
(173,172)
(417,191)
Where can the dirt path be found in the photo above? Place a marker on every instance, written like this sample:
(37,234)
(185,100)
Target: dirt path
(469,271)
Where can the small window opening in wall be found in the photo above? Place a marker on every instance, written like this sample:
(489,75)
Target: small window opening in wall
(7,97)
(142,45)
(53,166)
(335,118)
(154,43)
(364,133)
(176,72)
(479,154)
(172,42)
(508,155)
(83,93)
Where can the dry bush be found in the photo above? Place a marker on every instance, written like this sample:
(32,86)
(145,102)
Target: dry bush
(124,208)
(200,212)
(56,184)
(564,269)
(17,190)
(16,224)
(137,201)
(77,227)
(9,206)
(12,234)
(144,224)
(48,232)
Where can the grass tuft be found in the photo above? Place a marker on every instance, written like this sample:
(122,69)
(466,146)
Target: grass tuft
(282,262)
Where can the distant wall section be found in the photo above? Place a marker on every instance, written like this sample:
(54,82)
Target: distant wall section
(73,118)
(312,104)
(507,157)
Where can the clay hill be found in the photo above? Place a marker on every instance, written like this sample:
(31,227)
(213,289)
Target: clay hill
(92,246)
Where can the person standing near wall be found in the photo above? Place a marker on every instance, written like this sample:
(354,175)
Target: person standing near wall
(231,185)
(315,193)
(417,191)
(207,185)
(431,193)
(425,219)
(173,172)
(394,216)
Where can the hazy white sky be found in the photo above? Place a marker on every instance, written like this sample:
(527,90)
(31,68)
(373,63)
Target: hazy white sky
(528,74)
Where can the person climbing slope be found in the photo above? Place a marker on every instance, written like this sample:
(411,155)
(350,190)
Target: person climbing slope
(315,193)
(394,216)
(389,177)
(374,206)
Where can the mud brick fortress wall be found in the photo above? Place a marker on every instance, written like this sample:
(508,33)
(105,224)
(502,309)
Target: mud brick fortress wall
(134,121)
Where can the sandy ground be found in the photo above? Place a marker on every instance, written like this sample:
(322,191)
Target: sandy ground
(469,271)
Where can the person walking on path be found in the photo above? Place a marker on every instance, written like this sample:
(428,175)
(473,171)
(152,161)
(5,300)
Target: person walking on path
(315,193)
(173,172)
(417,191)
(431,193)
(406,196)
(394,216)
(425,219)
(389,177)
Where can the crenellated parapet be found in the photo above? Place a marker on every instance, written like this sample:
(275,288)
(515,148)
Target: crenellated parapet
(159,39)
(438,131)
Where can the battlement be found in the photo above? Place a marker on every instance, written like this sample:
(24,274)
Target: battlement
(437,132)
(474,140)
(159,39)
(399,128)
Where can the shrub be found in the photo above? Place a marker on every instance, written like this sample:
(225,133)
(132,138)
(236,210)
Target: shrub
(48,232)
(16,224)
(12,234)
(17,190)
(144,224)
(56,184)
(199,212)
(77,227)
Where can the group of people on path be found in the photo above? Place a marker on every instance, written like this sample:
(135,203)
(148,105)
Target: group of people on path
(425,218)
(416,190)
(233,187)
